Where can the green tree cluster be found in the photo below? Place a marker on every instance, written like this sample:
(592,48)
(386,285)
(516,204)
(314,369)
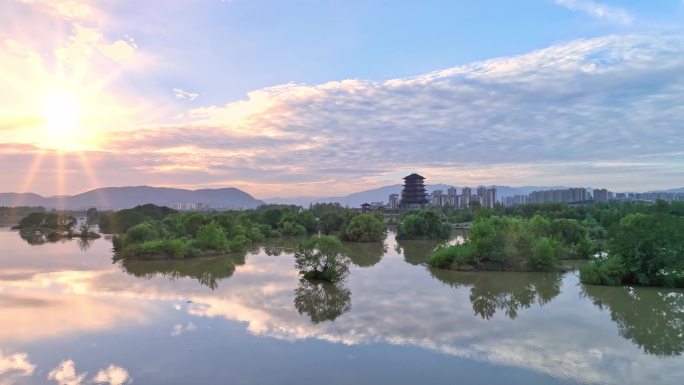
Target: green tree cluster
(423,224)
(648,249)
(364,228)
(514,243)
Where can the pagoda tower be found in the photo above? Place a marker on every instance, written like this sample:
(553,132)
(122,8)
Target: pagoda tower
(413,193)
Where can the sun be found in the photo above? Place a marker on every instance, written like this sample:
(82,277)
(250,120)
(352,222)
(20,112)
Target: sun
(63,121)
(61,113)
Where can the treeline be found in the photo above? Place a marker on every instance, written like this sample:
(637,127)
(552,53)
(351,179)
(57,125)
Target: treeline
(12,213)
(151,231)
(628,243)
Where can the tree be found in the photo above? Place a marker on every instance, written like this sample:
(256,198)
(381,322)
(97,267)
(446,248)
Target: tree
(192,222)
(321,258)
(364,228)
(92,215)
(330,222)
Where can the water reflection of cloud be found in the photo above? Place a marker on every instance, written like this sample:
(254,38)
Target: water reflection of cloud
(432,316)
(65,374)
(56,304)
(13,365)
(394,303)
(179,329)
(112,375)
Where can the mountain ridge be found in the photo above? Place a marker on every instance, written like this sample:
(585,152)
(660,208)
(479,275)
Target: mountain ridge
(131,196)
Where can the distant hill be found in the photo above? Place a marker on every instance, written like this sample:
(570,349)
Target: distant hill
(672,190)
(127,197)
(381,194)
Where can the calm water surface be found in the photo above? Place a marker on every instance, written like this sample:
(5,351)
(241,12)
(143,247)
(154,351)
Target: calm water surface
(69,315)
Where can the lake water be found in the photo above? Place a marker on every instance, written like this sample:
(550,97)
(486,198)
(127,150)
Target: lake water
(70,315)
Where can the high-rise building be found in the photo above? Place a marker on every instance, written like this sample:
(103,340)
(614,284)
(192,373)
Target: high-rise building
(393,201)
(514,200)
(452,197)
(570,195)
(481,191)
(489,198)
(413,193)
(465,198)
(601,195)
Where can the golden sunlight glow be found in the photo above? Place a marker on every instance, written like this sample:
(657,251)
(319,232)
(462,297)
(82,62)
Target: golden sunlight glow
(65,125)
(61,113)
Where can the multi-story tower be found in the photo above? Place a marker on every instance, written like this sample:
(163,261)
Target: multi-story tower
(413,193)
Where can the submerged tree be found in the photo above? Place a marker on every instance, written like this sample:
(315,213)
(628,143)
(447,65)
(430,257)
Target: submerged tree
(322,258)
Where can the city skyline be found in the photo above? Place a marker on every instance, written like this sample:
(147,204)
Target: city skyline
(328,98)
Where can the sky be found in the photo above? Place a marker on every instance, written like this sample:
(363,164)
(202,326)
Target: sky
(320,98)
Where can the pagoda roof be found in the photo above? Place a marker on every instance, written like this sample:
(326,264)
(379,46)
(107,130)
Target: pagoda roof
(413,176)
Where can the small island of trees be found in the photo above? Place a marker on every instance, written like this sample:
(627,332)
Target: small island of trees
(39,227)
(626,242)
(149,231)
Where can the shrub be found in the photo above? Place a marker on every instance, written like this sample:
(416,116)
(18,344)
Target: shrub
(210,236)
(446,257)
(608,271)
(544,254)
(238,243)
(141,233)
(292,229)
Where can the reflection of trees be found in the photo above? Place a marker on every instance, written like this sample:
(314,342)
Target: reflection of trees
(509,292)
(276,246)
(652,318)
(322,301)
(84,243)
(416,251)
(365,254)
(208,271)
(32,237)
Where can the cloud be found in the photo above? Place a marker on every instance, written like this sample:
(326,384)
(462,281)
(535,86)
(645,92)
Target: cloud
(69,9)
(182,94)
(85,41)
(15,364)
(598,10)
(556,108)
(65,374)
(523,119)
(112,375)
